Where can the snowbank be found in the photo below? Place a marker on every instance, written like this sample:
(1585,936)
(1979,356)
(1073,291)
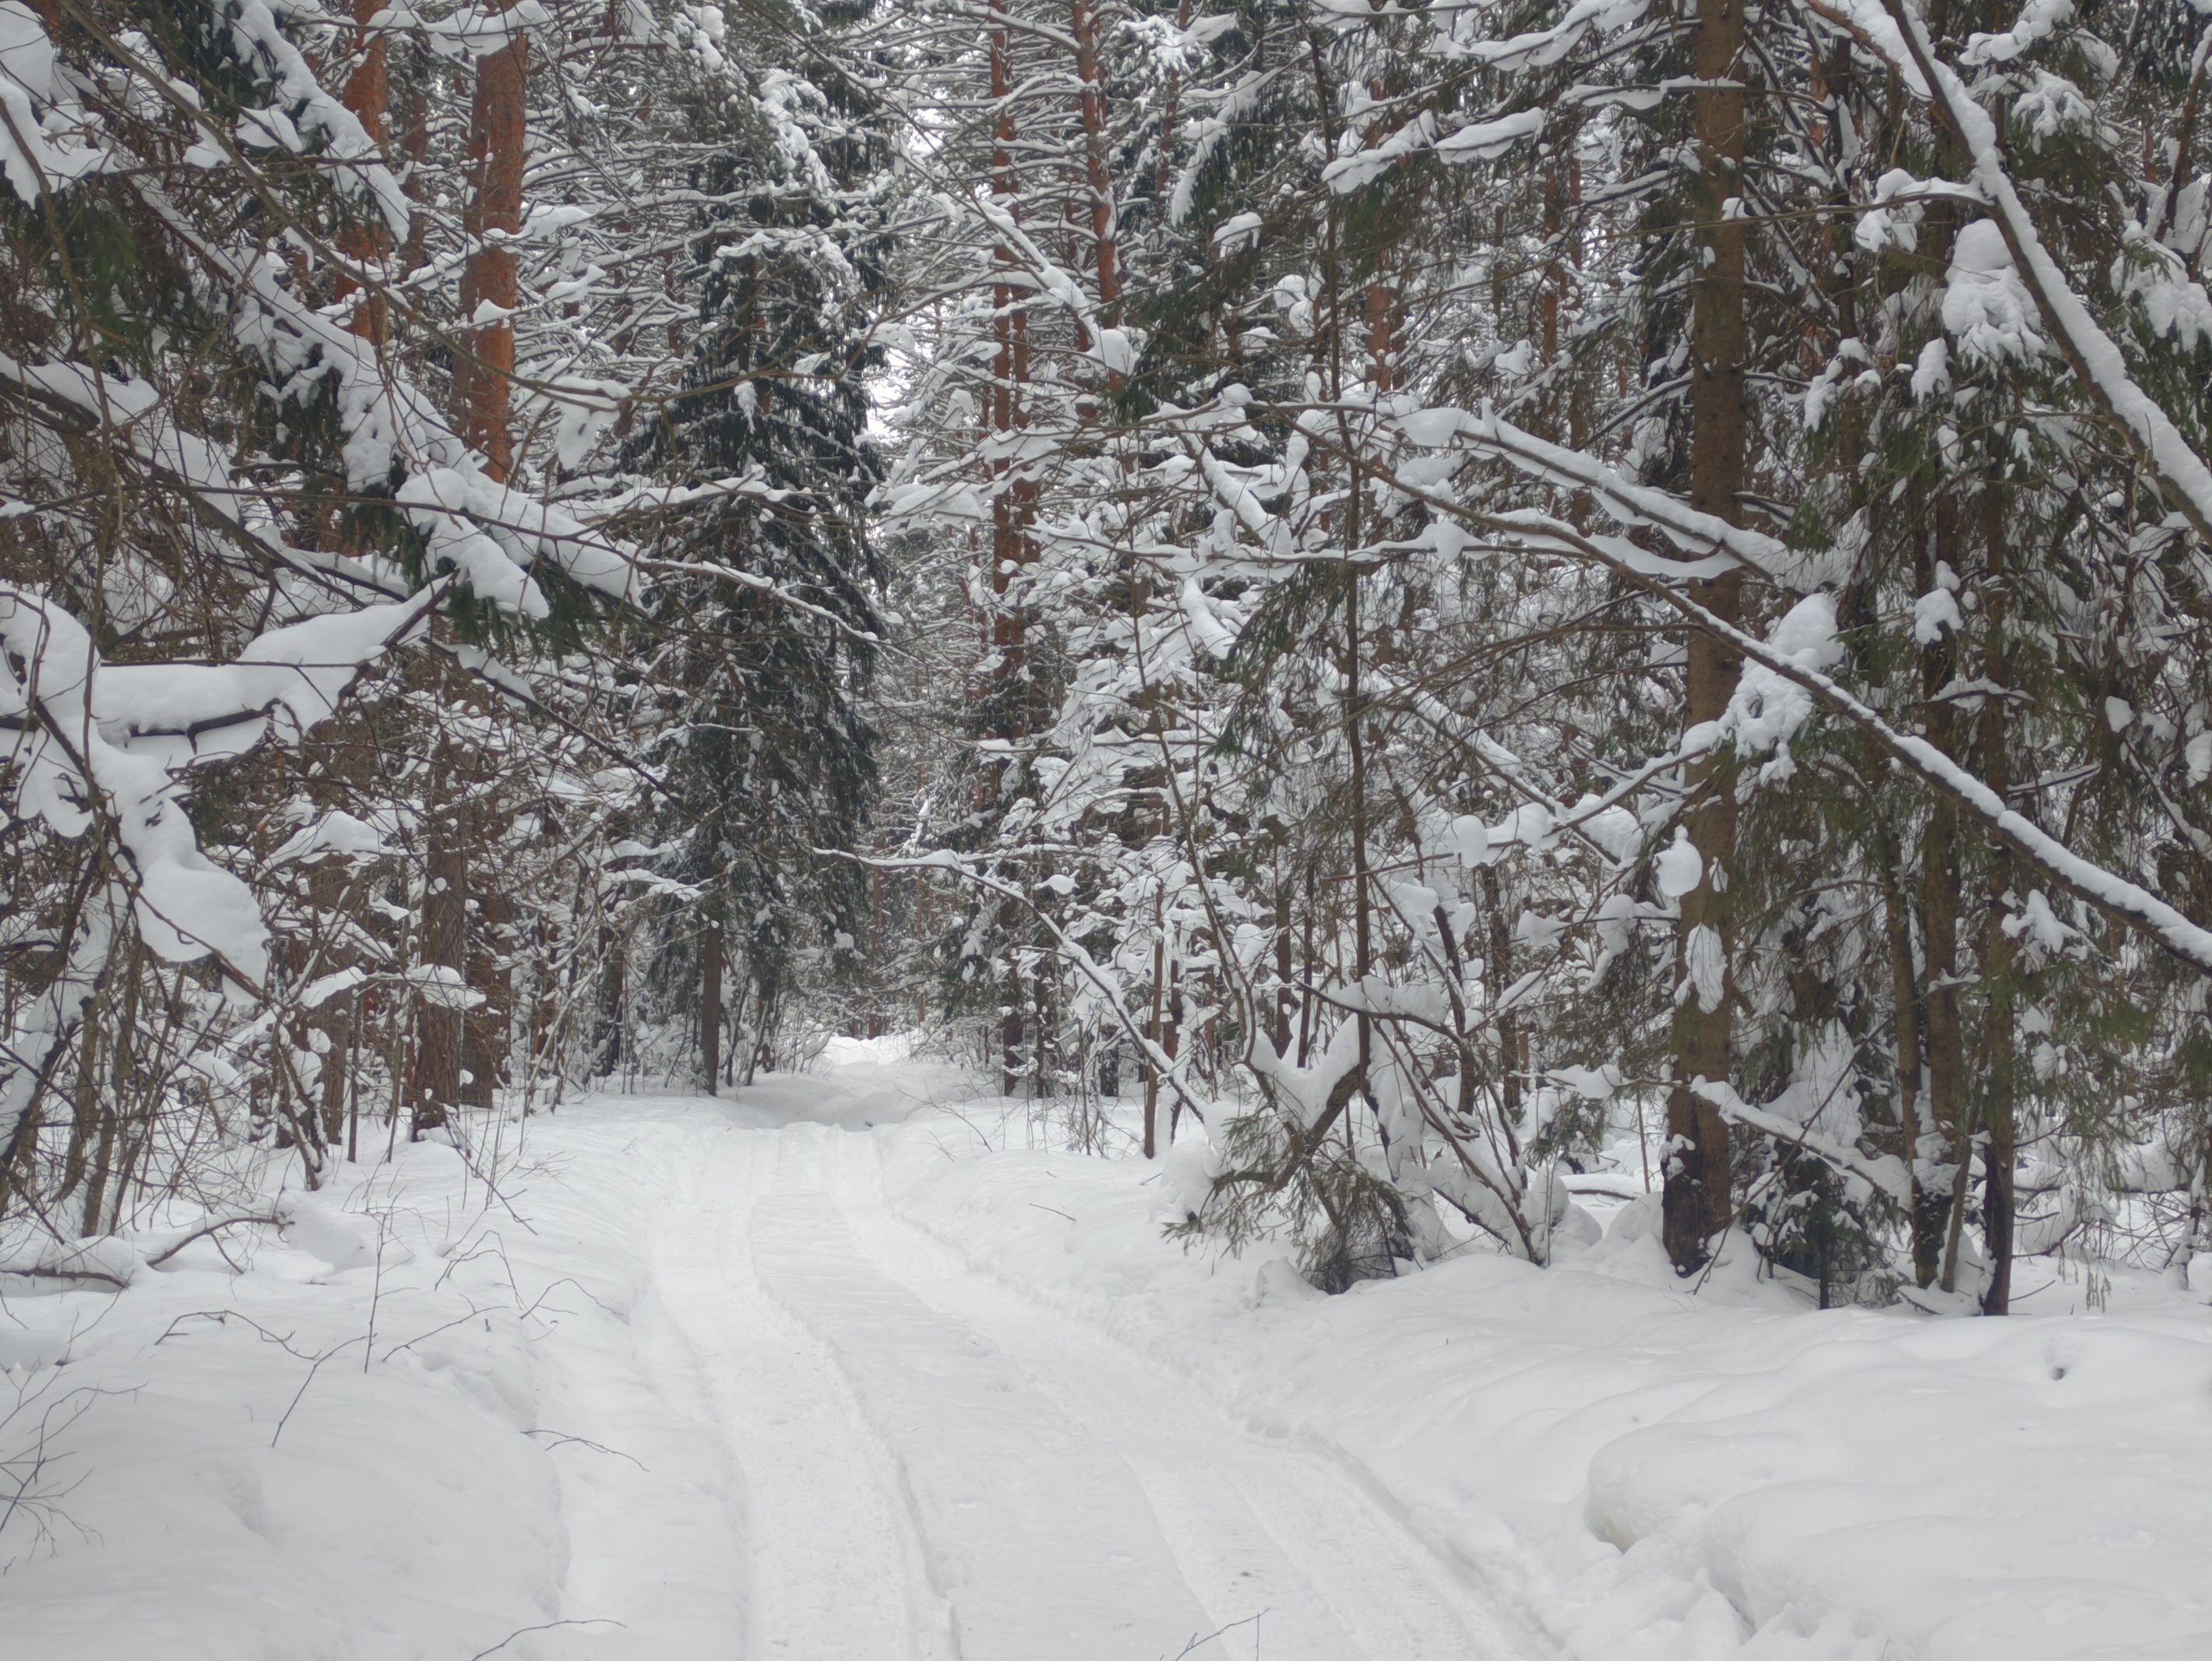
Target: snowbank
(364,1445)
(1655,1478)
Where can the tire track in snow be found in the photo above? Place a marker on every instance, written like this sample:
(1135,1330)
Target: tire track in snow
(833,1569)
(1257,1525)
(1040,1535)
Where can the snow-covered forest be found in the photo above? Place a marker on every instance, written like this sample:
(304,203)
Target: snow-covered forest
(1534,675)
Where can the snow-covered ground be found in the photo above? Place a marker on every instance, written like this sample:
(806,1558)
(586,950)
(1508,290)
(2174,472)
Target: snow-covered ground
(846,1369)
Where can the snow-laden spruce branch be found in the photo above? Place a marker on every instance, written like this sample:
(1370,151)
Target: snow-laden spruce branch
(1714,546)
(596,401)
(1893,31)
(103,750)
(487,532)
(2125,902)
(107,745)
(1885,1173)
(1701,534)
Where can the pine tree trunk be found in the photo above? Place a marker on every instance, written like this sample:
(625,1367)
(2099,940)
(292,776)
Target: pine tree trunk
(369,94)
(484,368)
(1013,497)
(103,1160)
(1091,102)
(879,934)
(614,994)
(122,1083)
(1697,1202)
(1355,718)
(1308,955)
(337,1068)
(1172,1032)
(84,1118)
(487,1025)
(545,998)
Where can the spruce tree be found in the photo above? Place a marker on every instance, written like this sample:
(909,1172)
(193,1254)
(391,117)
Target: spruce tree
(763,634)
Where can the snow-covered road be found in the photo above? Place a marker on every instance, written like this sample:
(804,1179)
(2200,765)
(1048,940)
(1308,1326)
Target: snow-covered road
(833,1371)
(936,1466)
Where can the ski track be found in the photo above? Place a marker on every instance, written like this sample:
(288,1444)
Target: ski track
(937,1469)
(833,1561)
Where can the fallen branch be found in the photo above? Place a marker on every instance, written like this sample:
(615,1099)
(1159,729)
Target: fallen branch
(204,1230)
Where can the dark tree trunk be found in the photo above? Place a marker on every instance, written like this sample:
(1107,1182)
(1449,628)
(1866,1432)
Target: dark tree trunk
(710,1002)
(1905,992)
(1997,947)
(437,1069)
(489,1025)
(1697,1203)
(1152,1032)
(1939,904)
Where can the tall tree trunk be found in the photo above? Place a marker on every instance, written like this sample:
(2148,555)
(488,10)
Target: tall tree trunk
(1309,954)
(1355,719)
(1697,1203)
(1904,993)
(1009,375)
(1152,1032)
(368,95)
(118,1092)
(1090,103)
(710,1001)
(85,1115)
(337,1068)
(1996,1113)
(1044,1053)
(1014,496)
(489,1025)
(545,992)
(1939,903)
(1012,1065)
(1498,975)
(1171,1031)
(123,1084)
(879,934)
(482,371)
(417,66)
(436,1073)
(607,1041)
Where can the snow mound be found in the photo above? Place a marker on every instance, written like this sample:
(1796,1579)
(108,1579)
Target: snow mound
(1657,1477)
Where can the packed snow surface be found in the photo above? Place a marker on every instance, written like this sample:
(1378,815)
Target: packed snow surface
(851,1367)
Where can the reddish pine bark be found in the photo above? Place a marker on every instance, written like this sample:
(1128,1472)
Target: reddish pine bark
(484,368)
(368,95)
